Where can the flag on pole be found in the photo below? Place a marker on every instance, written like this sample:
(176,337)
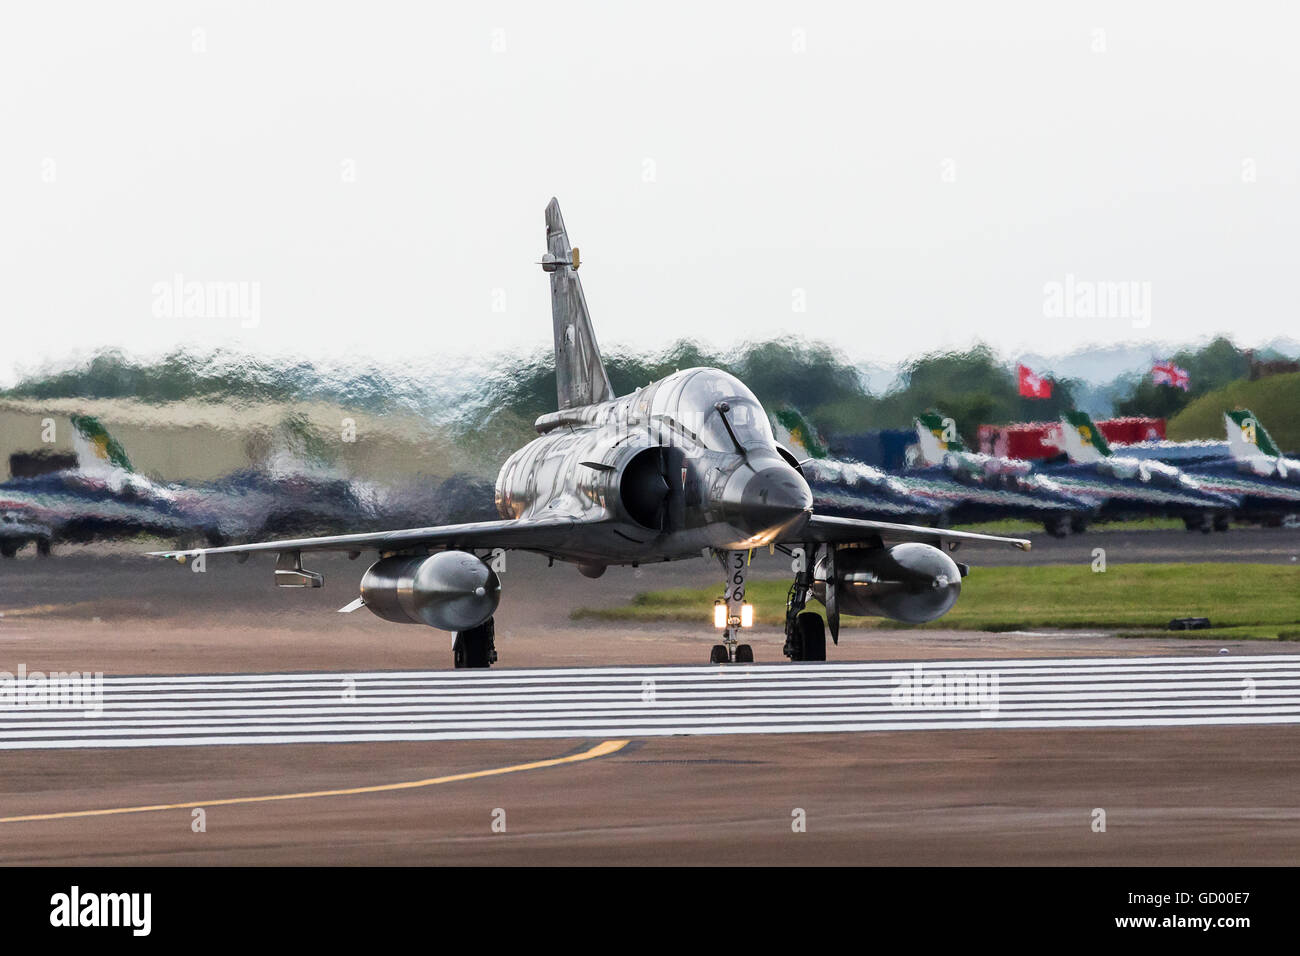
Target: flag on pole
(1033,385)
(1167,373)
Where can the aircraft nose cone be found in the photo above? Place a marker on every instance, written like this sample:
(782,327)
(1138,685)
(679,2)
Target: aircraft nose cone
(767,499)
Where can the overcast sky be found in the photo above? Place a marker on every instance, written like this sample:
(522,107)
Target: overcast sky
(887,177)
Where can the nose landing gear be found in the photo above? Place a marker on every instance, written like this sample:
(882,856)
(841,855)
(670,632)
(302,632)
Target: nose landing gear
(732,613)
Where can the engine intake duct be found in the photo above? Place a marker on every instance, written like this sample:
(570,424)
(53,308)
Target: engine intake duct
(651,490)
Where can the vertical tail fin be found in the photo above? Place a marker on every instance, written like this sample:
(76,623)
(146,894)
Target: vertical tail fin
(1247,437)
(798,432)
(97,450)
(1082,439)
(580,377)
(936,435)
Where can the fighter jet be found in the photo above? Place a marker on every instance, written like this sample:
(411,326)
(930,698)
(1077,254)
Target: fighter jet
(101,497)
(1127,487)
(681,467)
(977,487)
(849,488)
(1265,482)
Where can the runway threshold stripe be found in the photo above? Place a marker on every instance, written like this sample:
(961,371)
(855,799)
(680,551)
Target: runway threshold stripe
(806,671)
(605,703)
(603,749)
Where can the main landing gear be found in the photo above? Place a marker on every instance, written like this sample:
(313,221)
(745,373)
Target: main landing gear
(475,647)
(732,613)
(805,633)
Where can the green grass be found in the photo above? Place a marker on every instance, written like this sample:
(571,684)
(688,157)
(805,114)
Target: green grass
(1241,600)
(1020,526)
(1247,632)
(1272,399)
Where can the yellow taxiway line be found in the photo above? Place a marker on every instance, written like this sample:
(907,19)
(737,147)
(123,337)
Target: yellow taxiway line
(603,749)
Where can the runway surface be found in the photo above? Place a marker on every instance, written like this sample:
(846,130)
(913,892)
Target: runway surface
(215,710)
(1212,788)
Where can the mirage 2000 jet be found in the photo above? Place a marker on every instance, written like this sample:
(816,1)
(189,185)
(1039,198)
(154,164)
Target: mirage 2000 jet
(684,466)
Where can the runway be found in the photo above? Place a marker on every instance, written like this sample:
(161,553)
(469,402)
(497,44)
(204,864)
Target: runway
(1190,767)
(631,702)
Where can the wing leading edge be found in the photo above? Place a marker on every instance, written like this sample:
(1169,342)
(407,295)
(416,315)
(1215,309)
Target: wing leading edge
(554,534)
(824,529)
(544,534)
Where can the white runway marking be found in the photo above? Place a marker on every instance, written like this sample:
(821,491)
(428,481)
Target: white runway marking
(208,710)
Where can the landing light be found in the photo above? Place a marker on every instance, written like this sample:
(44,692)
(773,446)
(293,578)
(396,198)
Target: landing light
(722,620)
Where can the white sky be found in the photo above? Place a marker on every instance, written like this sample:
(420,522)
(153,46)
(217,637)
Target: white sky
(774,170)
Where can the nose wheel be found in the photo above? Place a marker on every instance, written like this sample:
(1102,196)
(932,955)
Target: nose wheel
(744,654)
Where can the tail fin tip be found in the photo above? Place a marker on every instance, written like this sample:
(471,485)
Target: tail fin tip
(580,376)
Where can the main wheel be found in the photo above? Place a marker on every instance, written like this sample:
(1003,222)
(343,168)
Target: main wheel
(475,647)
(1221,521)
(744,654)
(718,654)
(43,547)
(1058,526)
(10,548)
(810,638)
(1078,524)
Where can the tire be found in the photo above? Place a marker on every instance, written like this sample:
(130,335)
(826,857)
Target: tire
(1221,522)
(1078,525)
(9,549)
(812,637)
(744,654)
(718,654)
(1057,527)
(43,547)
(475,647)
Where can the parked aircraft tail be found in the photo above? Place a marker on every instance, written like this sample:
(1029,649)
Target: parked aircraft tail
(580,376)
(1247,437)
(1082,440)
(794,431)
(936,435)
(96,449)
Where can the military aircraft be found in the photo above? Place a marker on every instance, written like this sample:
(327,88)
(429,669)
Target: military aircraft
(978,487)
(1128,487)
(849,488)
(681,467)
(101,497)
(1265,482)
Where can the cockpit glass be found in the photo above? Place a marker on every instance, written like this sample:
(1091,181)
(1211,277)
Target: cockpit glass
(700,399)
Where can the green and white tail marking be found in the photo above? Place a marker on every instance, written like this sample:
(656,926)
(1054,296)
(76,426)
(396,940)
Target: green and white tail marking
(1247,438)
(96,447)
(1082,440)
(936,435)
